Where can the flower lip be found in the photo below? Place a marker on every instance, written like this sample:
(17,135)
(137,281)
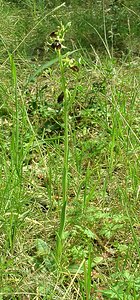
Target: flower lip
(56,45)
(60,97)
(74,68)
(53,34)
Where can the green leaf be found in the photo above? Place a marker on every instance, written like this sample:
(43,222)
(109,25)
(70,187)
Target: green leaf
(74,268)
(46,66)
(42,248)
(89,233)
(97,260)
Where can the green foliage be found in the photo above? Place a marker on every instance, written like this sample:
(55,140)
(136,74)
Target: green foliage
(69,144)
(114,22)
(126,287)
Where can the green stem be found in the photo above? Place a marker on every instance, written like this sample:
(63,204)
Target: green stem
(65,165)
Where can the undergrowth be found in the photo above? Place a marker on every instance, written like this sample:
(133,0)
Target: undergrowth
(69,176)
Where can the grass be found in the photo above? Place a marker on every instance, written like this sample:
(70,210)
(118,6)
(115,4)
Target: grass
(69,176)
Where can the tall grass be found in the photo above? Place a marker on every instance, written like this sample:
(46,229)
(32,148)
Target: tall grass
(70,170)
(13,170)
